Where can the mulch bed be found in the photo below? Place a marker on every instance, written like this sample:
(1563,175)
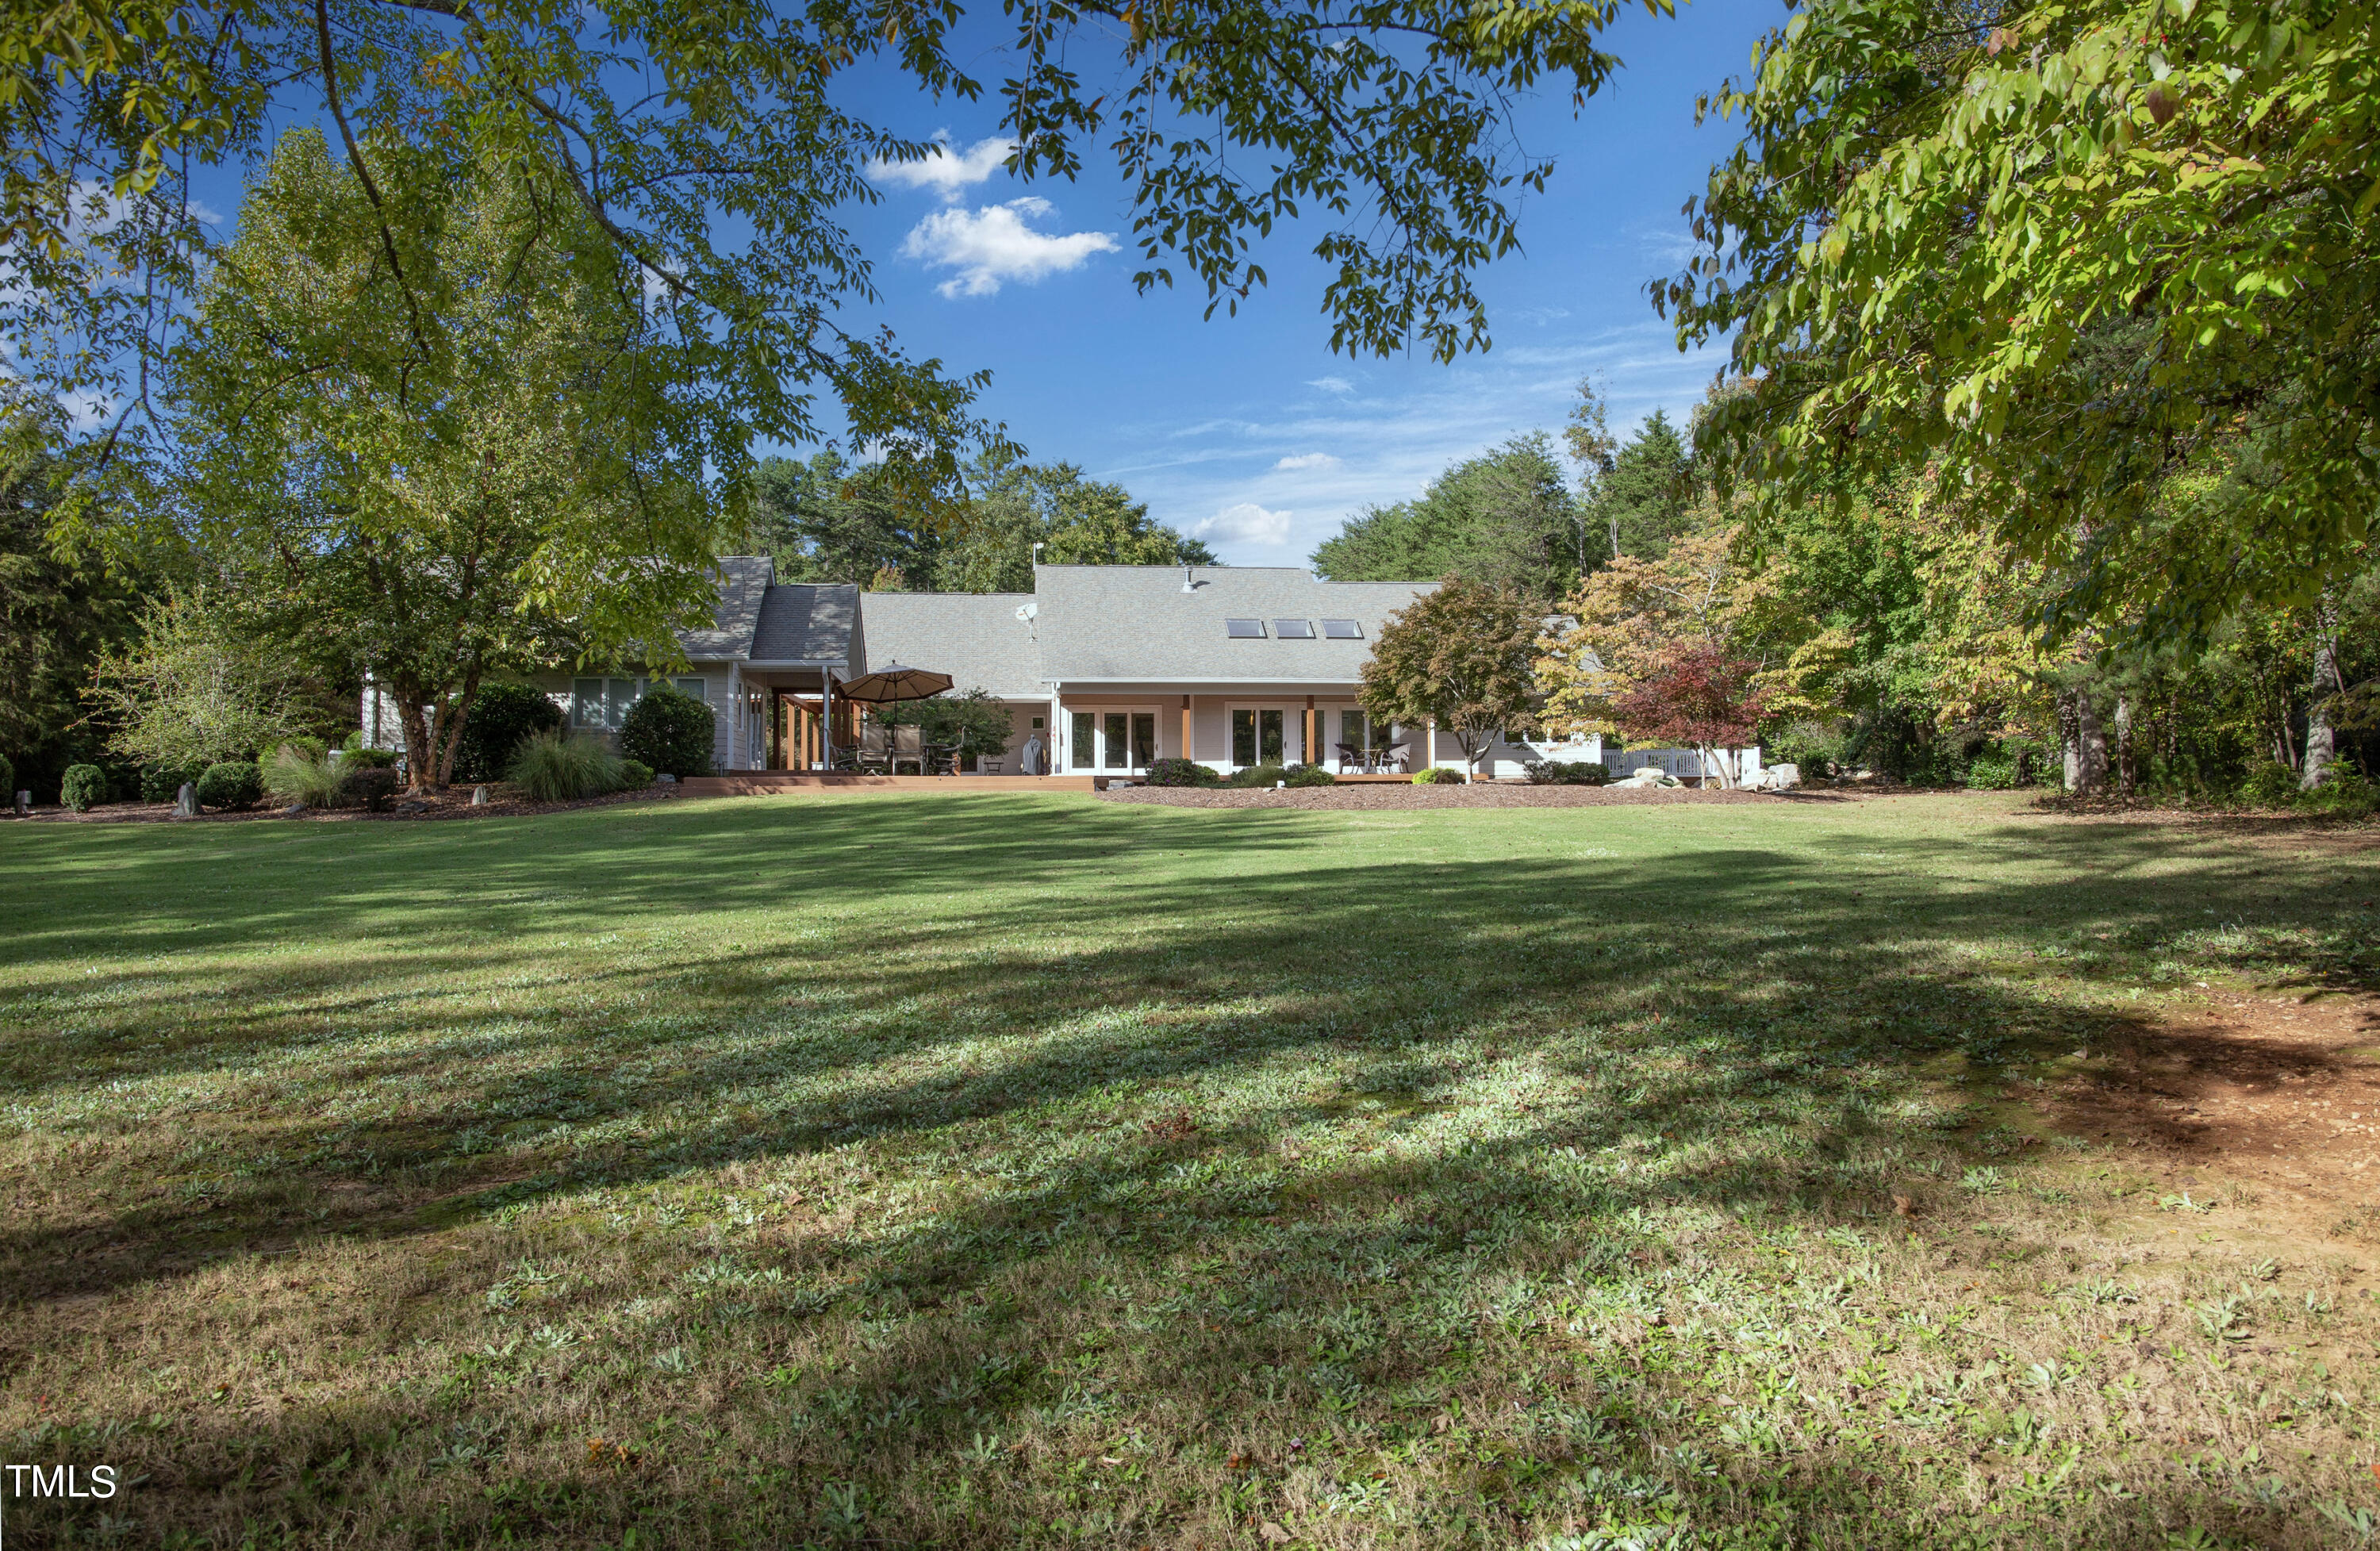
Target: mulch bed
(1383,795)
(455,803)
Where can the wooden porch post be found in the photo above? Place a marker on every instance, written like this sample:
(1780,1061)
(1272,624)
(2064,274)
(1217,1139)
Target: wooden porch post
(1313,742)
(1188,752)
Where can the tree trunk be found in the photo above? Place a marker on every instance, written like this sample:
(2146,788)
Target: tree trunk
(2124,745)
(2322,740)
(2086,744)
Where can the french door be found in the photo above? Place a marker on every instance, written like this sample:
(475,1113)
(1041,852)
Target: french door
(1122,741)
(1268,735)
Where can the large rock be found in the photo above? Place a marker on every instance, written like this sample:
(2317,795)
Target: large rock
(1781,778)
(1646,775)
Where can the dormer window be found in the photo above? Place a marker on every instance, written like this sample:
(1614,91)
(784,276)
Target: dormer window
(1244,629)
(1343,630)
(1293,629)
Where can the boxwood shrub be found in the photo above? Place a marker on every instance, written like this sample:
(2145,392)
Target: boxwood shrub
(502,715)
(232,784)
(83,788)
(1180,773)
(1310,775)
(163,783)
(671,732)
(1438,775)
(634,775)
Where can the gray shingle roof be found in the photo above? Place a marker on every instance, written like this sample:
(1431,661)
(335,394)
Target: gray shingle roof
(1134,623)
(974,636)
(743,581)
(807,622)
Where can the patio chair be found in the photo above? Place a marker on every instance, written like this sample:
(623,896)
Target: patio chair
(909,743)
(871,755)
(1395,758)
(1352,758)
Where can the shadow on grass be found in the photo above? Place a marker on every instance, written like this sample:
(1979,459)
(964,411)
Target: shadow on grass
(1267,1085)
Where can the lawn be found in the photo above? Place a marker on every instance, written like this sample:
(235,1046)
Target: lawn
(989,1171)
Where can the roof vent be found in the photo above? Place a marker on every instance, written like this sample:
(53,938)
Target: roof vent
(1187,585)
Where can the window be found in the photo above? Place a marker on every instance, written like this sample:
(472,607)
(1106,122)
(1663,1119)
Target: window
(1264,734)
(1343,630)
(1360,732)
(1113,740)
(1244,629)
(1293,629)
(690,687)
(601,705)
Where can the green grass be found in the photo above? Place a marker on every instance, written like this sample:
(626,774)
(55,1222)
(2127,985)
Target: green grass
(997,1171)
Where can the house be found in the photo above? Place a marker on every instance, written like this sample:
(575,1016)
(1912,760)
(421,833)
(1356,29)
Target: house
(1107,668)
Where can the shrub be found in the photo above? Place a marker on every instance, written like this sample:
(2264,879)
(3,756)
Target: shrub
(1567,773)
(1991,773)
(7,780)
(1180,773)
(1437,776)
(669,731)
(634,775)
(301,775)
(2343,792)
(84,788)
(1810,746)
(367,786)
(233,783)
(1310,775)
(368,759)
(502,715)
(1259,775)
(2269,783)
(558,768)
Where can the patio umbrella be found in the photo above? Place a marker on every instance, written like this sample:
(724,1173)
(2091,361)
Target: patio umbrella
(891,683)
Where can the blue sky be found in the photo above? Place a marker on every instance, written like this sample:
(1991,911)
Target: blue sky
(1248,432)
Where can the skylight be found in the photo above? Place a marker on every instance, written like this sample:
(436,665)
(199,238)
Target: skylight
(1244,629)
(1293,629)
(1343,630)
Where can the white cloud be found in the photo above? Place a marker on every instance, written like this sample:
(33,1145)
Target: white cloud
(1332,384)
(1306,460)
(946,172)
(993,244)
(1247,523)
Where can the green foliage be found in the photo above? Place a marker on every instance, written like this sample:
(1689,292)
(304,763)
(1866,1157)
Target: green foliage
(2269,783)
(397,470)
(970,720)
(196,689)
(1464,656)
(1309,775)
(361,758)
(163,783)
(564,767)
(231,784)
(1505,519)
(363,784)
(1643,502)
(1992,772)
(502,715)
(634,775)
(1177,771)
(1813,747)
(2108,273)
(1265,776)
(671,732)
(60,608)
(2344,794)
(1567,773)
(83,787)
(7,780)
(1438,775)
(301,775)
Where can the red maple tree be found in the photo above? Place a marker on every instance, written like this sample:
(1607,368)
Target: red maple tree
(1698,697)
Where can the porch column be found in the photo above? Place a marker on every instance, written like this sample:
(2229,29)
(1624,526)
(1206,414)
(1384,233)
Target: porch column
(1188,751)
(1313,741)
(826,718)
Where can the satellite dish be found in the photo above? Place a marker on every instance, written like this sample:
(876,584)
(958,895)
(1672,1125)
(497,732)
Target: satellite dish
(1028,611)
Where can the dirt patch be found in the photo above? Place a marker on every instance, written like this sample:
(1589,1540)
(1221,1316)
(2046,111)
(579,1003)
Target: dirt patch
(1405,794)
(455,803)
(2267,1088)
